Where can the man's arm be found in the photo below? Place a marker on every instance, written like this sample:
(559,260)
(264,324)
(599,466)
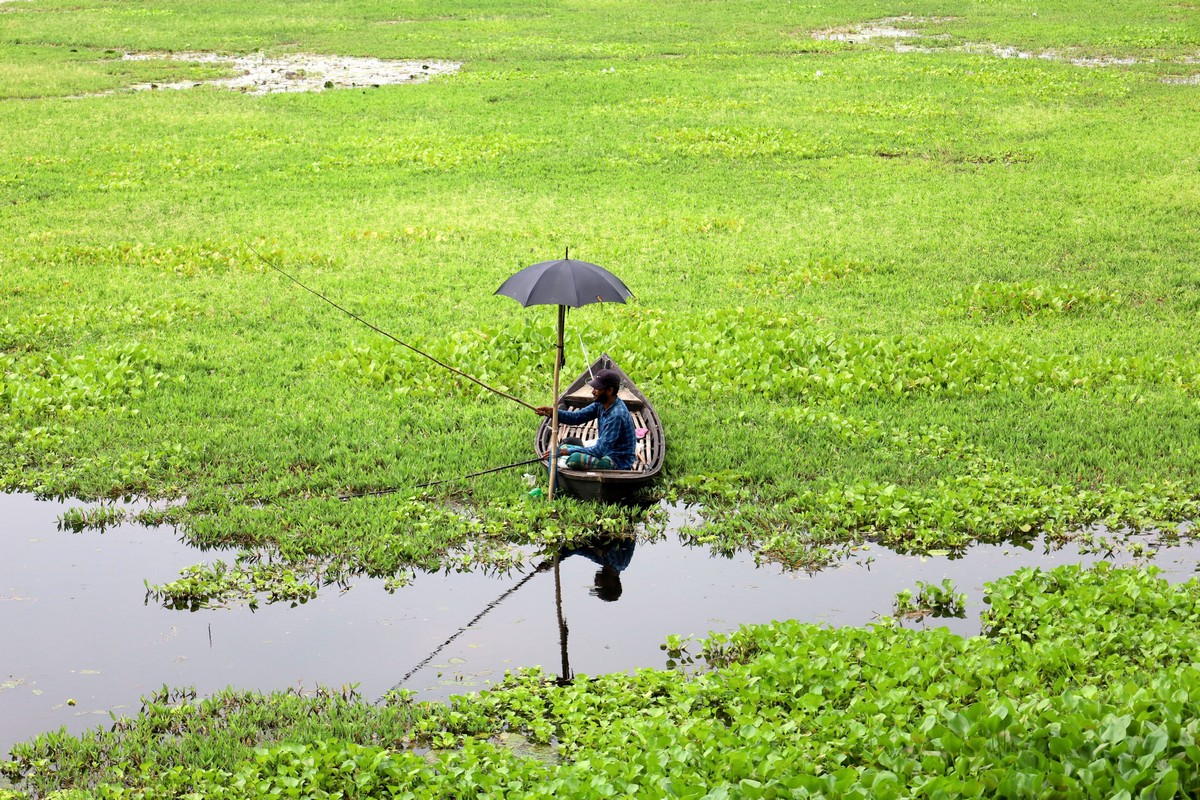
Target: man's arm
(582,415)
(570,418)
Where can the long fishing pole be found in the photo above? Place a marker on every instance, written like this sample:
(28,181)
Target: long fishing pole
(388,335)
(447,480)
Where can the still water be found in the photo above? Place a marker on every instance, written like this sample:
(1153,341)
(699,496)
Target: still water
(74,625)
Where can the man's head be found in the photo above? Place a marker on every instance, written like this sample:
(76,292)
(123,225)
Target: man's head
(605,384)
(606,584)
(606,379)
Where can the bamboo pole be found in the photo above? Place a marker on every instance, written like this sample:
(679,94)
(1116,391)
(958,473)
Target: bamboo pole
(558,359)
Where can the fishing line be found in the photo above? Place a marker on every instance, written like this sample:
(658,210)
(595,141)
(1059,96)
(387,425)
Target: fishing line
(388,335)
(586,357)
(447,480)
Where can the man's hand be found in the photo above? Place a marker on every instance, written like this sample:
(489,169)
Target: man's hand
(544,411)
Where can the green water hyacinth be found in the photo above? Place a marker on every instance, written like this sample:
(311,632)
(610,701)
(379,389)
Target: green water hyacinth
(931,599)
(1026,300)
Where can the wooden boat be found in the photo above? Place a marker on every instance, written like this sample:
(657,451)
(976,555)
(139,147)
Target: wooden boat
(608,485)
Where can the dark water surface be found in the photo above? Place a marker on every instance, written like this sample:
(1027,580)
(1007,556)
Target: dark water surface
(73,624)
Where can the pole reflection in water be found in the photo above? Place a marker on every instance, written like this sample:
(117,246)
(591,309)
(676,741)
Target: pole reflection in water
(565,675)
(612,554)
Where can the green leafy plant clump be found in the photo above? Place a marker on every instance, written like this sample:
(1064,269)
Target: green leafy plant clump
(931,599)
(975,497)
(54,386)
(176,727)
(1025,300)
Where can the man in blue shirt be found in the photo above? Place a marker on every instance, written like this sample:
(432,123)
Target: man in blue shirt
(616,444)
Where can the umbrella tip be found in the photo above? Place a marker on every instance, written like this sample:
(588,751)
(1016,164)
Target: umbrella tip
(567,255)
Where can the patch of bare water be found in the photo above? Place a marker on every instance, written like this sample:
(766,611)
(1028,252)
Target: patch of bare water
(81,643)
(878,29)
(262,74)
(1053,55)
(888,29)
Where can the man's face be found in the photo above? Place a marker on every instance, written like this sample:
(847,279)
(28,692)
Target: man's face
(603,395)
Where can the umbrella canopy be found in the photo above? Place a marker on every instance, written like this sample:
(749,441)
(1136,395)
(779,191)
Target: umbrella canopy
(565,282)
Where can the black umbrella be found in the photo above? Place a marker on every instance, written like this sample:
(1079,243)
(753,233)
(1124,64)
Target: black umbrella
(563,283)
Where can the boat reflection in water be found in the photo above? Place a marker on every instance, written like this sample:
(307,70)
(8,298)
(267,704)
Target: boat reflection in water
(612,554)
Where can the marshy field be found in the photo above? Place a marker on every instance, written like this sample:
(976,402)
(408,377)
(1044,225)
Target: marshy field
(911,281)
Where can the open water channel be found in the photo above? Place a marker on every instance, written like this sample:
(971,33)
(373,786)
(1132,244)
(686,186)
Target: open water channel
(78,641)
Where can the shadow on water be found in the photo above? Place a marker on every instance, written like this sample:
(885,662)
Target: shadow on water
(79,641)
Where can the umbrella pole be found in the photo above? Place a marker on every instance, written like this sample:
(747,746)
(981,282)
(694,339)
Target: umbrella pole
(558,358)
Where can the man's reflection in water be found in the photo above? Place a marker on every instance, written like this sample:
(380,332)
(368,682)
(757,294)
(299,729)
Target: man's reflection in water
(612,553)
